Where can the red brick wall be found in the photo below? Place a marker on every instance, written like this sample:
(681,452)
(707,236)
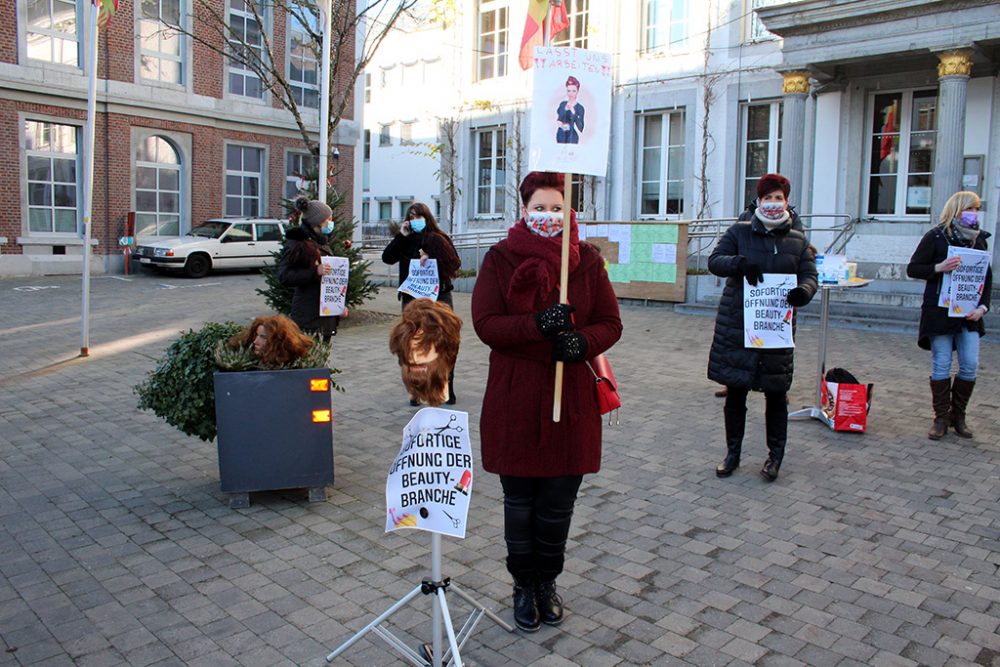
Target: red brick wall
(117,48)
(208,66)
(8,32)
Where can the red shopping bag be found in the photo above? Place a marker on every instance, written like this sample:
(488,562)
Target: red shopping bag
(846,405)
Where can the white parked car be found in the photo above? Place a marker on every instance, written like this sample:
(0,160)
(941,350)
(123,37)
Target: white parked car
(225,243)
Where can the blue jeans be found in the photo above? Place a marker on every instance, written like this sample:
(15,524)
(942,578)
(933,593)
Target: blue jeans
(967,345)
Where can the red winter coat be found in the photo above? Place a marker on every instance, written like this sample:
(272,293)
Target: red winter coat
(518,435)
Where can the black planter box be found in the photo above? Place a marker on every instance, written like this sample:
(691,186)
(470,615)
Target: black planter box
(274,432)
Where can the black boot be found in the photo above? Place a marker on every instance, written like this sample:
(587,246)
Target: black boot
(941,401)
(526,607)
(961,392)
(776,425)
(550,604)
(735,414)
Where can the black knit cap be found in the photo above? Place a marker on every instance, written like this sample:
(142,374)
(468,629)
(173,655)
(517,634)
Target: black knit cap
(314,212)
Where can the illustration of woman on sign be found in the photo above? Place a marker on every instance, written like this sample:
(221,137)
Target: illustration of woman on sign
(570,114)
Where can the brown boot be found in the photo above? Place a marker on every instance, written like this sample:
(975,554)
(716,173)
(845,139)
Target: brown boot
(941,400)
(961,392)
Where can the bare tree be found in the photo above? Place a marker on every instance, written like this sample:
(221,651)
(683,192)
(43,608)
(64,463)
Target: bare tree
(708,96)
(208,26)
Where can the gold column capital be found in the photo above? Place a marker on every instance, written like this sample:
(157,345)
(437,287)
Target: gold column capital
(796,82)
(955,63)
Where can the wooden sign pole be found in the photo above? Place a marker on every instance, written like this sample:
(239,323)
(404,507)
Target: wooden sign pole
(563,286)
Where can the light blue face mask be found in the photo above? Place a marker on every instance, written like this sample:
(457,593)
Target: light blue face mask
(327,228)
(418,224)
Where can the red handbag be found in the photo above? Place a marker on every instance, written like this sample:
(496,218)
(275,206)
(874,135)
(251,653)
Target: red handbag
(608,400)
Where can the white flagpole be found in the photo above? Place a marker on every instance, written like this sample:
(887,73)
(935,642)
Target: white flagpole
(324,101)
(88,173)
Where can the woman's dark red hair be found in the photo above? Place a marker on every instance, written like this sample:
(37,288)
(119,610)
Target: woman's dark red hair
(541,180)
(573,81)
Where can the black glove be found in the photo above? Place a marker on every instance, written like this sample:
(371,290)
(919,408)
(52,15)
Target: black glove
(750,271)
(555,319)
(570,346)
(798,297)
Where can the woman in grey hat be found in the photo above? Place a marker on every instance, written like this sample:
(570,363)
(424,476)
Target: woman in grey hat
(301,269)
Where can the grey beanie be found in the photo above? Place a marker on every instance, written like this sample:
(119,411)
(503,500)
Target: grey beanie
(314,212)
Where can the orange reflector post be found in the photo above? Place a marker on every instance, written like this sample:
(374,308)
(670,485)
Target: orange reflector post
(319,385)
(321,416)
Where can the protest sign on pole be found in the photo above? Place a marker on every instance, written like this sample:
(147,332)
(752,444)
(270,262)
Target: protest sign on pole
(767,317)
(571,111)
(965,284)
(430,481)
(422,282)
(333,286)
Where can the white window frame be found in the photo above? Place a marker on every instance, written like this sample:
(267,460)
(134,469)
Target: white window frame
(499,56)
(384,134)
(575,35)
(666,24)
(232,67)
(382,203)
(291,158)
(157,36)
(157,190)
(903,172)
(301,87)
(496,199)
(241,173)
(25,31)
(664,147)
(26,181)
(773,144)
(406,132)
(754,30)
(368,87)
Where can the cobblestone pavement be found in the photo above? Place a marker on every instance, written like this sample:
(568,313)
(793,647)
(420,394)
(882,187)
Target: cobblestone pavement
(118,548)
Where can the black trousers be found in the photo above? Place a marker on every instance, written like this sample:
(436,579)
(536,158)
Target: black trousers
(537,512)
(775,418)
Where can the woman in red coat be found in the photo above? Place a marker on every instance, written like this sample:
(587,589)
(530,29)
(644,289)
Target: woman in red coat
(541,463)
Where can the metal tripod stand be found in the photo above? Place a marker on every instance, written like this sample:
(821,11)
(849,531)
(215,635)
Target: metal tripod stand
(437,587)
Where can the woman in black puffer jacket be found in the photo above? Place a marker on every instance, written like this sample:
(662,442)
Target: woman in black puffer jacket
(767,245)
(301,269)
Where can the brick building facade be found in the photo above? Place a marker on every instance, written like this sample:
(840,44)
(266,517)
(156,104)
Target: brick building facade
(182,134)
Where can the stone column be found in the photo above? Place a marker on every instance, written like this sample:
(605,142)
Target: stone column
(793,128)
(954,70)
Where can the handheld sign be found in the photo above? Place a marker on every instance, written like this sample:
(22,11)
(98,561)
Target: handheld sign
(570,111)
(422,282)
(767,317)
(430,482)
(965,284)
(333,286)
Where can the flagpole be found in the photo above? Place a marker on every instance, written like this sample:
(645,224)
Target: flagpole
(88,179)
(324,103)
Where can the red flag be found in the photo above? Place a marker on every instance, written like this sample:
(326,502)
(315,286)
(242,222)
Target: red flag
(886,147)
(538,10)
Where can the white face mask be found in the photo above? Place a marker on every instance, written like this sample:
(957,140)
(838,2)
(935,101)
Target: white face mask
(771,213)
(545,223)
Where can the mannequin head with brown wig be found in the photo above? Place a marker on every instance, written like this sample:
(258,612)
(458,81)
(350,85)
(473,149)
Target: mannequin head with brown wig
(426,340)
(276,340)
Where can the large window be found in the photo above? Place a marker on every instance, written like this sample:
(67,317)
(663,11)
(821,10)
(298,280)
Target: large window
(247,45)
(159,44)
(901,160)
(303,66)
(761,146)
(385,211)
(368,87)
(492,42)
(385,135)
(755,28)
(51,155)
(157,188)
(300,169)
(665,25)
(244,176)
(577,11)
(51,33)
(366,166)
(406,133)
(661,164)
(491,170)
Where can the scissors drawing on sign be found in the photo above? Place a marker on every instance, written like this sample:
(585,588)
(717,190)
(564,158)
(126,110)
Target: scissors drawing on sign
(448,426)
(456,522)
